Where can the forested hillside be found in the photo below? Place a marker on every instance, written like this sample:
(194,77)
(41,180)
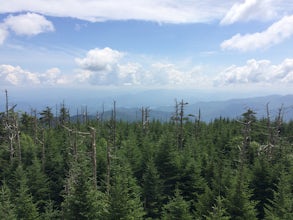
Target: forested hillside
(54,168)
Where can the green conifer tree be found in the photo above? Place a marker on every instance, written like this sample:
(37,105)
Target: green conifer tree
(7,208)
(177,208)
(81,199)
(218,211)
(152,190)
(282,204)
(25,207)
(239,203)
(125,196)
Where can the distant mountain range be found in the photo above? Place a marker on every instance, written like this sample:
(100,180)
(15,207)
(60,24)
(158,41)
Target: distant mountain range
(160,102)
(210,110)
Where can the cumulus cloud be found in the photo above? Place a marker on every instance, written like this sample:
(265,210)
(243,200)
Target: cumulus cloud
(28,24)
(167,73)
(100,59)
(16,76)
(100,66)
(257,72)
(110,67)
(107,67)
(251,10)
(165,11)
(276,33)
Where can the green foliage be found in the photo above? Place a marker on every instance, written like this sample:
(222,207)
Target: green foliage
(223,170)
(239,203)
(152,190)
(23,200)
(282,205)
(82,200)
(47,117)
(262,183)
(125,197)
(38,184)
(218,212)
(176,208)
(7,208)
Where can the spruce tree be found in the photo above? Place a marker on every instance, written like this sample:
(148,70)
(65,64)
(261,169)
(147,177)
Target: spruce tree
(39,185)
(282,205)
(176,208)
(7,208)
(218,211)
(23,200)
(81,199)
(239,203)
(125,196)
(152,190)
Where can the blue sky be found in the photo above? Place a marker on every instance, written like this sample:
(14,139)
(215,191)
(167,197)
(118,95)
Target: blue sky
(210,45)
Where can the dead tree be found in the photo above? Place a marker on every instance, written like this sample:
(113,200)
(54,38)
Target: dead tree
(11,126)
(179,120)
(111,144)
(145,114)
(273,132)
(92,134)
(248,119)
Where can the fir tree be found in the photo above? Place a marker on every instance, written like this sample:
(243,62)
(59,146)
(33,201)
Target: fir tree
(177,208)
(23,200)
(82,200)
(7,208)
(152,190)
(124,198)
(218,211)
(239,203)
(282,204)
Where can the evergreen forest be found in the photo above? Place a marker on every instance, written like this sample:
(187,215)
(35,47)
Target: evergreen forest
(55,166)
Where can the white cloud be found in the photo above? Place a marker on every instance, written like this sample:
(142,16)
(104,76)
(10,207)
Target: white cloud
(100,66)
(258,72)
(130,74)
(251,10)
(3,34)
(162,11)
(276,33)
(165,11)
(100,59)
(167,73)
(28,24)
(16,76)
(110,67)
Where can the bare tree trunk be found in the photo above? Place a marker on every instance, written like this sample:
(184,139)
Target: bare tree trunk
(181,119)
(43,150)
(114,125)
(94,156)
(7,108)
(108,184)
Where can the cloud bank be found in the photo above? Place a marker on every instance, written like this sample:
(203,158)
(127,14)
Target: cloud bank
(108,67)
(258,72)
(16,76)
(276,33)
(162,11)
(104,67)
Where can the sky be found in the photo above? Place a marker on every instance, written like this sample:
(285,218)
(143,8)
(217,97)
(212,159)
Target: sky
(211,45)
